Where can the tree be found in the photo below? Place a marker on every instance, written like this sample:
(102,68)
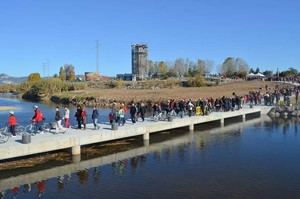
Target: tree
(200,67)
(172,72)
(292,71)
(70,72)
(228,68)
(179,67)
(163,69)
(151,68)
(257,70)
(62,74)
(242,67)
(268,73)
(34,77)
(251,70)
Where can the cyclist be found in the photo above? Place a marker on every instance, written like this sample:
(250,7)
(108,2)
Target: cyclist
(37,118)
(12,122)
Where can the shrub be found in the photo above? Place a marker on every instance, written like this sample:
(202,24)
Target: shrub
(197,81)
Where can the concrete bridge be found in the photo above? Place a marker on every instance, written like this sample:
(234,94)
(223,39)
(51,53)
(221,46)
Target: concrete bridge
(75,138)
(77,165)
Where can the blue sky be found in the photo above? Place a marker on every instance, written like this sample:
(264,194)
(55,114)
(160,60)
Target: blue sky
(266,33)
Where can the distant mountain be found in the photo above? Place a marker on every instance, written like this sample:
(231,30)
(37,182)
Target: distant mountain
(6,79)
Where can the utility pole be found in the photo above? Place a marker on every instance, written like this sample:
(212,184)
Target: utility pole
(44,69)
(48,68)
(97,56)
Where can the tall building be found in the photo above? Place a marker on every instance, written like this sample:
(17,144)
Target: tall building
(139,61)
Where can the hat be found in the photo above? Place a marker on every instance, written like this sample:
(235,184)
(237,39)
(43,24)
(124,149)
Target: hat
(35,107)
(11,112)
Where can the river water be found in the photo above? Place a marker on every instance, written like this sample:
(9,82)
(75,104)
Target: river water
(255,159)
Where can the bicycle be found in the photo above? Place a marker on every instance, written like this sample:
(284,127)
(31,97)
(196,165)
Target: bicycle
(5,132)
(3,138)
(33,129)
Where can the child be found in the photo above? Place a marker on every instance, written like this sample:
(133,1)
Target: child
(12,122)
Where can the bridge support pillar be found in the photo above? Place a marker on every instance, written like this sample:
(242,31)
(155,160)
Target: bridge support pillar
(244,117)
(191,127)
(222,122)
(146,136)
(76,158)
(146,142)
(76,150)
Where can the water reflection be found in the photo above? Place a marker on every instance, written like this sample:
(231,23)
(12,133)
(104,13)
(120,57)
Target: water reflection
(134,161)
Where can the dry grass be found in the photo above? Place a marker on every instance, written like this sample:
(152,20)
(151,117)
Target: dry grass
(240,88)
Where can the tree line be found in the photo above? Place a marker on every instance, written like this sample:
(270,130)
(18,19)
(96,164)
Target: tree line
(188,68)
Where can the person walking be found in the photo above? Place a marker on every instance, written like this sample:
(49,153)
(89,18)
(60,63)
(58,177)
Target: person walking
(78,116)
(142,110)
(67,117)
(57,120)
(133,113)
(95,116)
(190,108)
(121,114)
(12,122)
(84,117)
(297,96)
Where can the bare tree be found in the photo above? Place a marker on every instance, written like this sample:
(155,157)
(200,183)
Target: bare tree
(242,67)
(179,67)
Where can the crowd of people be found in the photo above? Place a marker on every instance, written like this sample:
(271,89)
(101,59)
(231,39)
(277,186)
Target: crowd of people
(174,108)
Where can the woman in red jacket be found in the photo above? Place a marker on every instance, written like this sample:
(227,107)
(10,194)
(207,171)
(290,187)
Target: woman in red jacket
(12,122)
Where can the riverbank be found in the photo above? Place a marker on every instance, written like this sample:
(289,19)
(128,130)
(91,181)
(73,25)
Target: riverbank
(58,92)
(7,108)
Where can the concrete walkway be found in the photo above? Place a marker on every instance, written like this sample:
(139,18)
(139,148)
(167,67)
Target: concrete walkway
(77,165)
(74,138)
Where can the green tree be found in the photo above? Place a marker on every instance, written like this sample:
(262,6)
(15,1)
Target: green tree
(257,70)
(163,69)
(228,68)
(268,73)
(62,74)
(34,77)
(70,72)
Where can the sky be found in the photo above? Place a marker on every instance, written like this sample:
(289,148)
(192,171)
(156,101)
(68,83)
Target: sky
(265,33)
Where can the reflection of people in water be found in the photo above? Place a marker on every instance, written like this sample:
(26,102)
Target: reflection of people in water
(96,174)
(15,191)
(2,193)
(41,186)
(119,167)
(83,176)
(60,182)
(27,188)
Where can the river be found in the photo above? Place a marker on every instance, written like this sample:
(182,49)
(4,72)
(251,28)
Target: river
(255,159)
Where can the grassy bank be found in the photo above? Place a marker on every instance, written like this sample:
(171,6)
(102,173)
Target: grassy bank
(104,97)
(104,93)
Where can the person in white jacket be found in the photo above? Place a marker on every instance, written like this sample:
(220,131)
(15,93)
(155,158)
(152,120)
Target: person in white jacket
(67,117)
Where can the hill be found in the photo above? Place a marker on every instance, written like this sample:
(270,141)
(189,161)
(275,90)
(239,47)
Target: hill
(6,79)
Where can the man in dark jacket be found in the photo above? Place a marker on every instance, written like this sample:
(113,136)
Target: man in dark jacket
(95,116)
(142,110)
(57,119)
(132,112)
(78,116)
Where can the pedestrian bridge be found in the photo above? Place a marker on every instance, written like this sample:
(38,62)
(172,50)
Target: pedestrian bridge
(78,165)
(75,138)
